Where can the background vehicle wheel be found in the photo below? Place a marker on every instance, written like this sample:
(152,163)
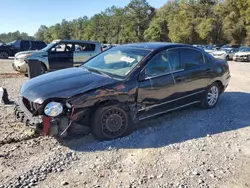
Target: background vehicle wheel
(43,68)
(4,55)
(111,122)
(211,96)
(227,57)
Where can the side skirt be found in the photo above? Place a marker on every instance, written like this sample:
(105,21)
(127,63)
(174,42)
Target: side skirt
(195,102)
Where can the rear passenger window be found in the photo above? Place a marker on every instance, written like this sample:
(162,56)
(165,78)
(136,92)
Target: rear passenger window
(41,45)
(37,45)
(25,45)
(191,58)
(84,47)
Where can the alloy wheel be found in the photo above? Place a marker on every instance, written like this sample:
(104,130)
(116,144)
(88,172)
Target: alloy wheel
(213,96)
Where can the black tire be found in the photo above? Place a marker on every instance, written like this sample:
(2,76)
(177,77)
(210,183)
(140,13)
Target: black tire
(43,68)
(227,58)
(111,122)
(211,96)
(4,55)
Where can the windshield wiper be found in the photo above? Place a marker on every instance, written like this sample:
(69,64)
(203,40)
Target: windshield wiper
(99,72)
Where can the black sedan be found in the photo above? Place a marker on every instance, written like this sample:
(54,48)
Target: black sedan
(121,86)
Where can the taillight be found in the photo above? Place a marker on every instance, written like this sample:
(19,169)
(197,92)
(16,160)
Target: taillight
(101,49)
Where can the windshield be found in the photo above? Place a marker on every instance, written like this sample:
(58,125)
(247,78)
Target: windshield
(245,50)
(12,42)
(117,61)
(49,46)
(224,50)
(209,48)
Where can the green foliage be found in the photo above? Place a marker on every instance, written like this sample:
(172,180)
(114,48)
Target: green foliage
(8,37)
(184,21)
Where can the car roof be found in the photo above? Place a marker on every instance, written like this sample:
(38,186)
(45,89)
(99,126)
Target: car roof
(80,41)
(156,45)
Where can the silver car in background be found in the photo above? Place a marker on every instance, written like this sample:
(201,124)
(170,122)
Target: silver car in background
(225,53)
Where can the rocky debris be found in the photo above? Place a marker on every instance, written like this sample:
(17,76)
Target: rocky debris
(51,165)
(196,173)
(65,183)
(200,181)
(187,148)
(18,139)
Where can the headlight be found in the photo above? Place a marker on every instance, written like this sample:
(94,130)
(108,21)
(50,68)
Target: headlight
(53,109)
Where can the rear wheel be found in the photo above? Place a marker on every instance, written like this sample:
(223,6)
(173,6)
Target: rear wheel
(227,57)
(4,55)
(43,68)
(111,122)
(211,96)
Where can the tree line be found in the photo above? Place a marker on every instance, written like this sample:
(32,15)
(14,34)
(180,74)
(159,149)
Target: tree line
(11,36)
(181,21)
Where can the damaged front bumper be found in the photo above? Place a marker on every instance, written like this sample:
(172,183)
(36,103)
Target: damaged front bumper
(25,116)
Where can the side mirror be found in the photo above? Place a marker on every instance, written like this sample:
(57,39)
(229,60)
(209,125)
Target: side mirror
(53,49)
(142,76)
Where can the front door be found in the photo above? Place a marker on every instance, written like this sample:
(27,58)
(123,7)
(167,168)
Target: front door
(157,88)
(60,57)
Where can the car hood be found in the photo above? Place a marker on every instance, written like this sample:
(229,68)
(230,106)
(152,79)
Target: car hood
(242,53)
(209,51)
(28,52)
(63,84)
(219,52)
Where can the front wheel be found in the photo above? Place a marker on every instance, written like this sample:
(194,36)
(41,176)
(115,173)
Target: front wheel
(211,96)
(227,57)
(4,55)
(111,122)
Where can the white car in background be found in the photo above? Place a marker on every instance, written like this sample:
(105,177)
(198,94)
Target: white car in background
(226,53)
(209,49)
(242,55)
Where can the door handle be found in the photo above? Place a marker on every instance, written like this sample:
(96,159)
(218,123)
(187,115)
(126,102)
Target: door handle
(179,79)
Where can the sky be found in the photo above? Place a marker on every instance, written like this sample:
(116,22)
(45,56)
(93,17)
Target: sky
(28,15)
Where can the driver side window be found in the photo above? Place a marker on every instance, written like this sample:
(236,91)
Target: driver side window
(157,66)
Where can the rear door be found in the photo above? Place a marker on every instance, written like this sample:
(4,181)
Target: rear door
(25,45)
(191,76)
(61,56)
(82,52)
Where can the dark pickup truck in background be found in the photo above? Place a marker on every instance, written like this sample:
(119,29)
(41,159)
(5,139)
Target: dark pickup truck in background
(10,49)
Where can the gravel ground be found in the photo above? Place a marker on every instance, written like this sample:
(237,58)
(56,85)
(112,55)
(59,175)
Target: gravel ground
(188,148)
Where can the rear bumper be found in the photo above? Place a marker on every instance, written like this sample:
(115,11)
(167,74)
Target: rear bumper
(25,116)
